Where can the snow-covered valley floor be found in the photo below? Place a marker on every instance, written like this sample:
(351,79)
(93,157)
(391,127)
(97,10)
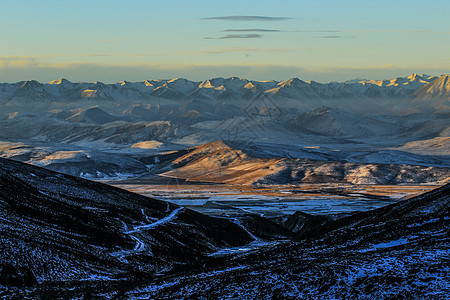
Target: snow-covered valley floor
(277,201)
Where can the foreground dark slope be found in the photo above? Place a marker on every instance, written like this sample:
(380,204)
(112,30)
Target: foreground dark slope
(56,227)
(71,238)
(398,252)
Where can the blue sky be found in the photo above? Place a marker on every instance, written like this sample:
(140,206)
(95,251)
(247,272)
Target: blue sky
(136,40)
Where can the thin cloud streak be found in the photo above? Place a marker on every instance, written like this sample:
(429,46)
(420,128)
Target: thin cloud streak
(337,31)
(248,18)
(336,37)
(252,30)
(237,36)
(322,31)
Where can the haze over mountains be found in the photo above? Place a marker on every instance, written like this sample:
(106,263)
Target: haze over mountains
(228,88)
(98,130)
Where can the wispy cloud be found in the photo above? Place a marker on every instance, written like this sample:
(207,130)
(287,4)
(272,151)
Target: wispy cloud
(248,18)
(252,30)
(237,36)
(320,31)
(17,61)
(336,31)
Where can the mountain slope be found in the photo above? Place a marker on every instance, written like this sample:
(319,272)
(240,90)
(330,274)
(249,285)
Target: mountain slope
(335,122)
(58,227)
(109,243)
(437,89)
(396,252)
(216,162)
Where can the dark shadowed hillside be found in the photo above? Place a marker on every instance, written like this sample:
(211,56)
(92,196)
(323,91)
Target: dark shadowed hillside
(400,251)
(56,227)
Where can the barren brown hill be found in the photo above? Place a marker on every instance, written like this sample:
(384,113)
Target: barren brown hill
(216,162)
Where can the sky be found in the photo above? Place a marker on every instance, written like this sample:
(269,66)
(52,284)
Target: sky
(323,40)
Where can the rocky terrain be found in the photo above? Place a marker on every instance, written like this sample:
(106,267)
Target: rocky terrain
(67,237)
(56,227)
(218,163)
(400,251)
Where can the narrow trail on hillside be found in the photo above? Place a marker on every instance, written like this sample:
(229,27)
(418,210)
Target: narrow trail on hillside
(135,232)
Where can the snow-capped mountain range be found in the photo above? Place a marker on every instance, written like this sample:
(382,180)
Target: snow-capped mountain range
(99,130)
(227,88)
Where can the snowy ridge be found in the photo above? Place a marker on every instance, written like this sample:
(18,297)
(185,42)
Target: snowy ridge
(233,88)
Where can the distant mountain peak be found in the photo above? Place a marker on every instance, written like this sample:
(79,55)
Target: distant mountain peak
(439,88)
(413,76)
(177,79)
(60,81)
(292,82)
(29,84)
(124,83)
(227,88)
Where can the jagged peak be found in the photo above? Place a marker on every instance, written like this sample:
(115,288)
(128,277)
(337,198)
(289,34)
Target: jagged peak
(221,88)
(29,84)
(439,88)
(236,78)
(250,86)
(414,76)
(124,82)
(206,84)
(151,83)
(178,79)
(60,81)
(291,82)
(441,79)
